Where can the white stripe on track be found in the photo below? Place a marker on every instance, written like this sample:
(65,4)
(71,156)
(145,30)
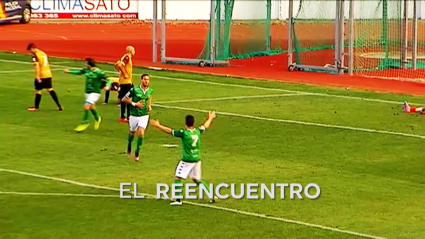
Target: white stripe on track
(202,205)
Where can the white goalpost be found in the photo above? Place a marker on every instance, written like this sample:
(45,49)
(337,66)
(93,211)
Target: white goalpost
(162,41)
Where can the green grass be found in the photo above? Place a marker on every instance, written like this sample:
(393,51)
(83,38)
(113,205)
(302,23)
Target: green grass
(370,183)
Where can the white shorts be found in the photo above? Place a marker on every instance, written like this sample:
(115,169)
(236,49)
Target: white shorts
(138,121)
(92,98)
(185,169)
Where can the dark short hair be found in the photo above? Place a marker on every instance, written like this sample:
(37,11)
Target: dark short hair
(143,76)
(90,62)
(31,46)
(190,120)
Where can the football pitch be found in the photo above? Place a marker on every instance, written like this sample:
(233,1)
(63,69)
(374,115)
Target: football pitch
(359,147)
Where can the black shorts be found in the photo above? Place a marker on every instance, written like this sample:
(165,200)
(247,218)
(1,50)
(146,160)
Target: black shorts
(124,89)
(46,83)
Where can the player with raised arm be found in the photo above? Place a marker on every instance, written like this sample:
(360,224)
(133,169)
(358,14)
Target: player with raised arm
(190,164)
(43,77)
(408,109)
(140,100)
(95,81)
(125,68)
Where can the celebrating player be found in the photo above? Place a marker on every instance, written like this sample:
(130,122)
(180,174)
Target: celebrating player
(125,67)
(190,164)
(409,109)
(95,80)
(43,77)
(140,100)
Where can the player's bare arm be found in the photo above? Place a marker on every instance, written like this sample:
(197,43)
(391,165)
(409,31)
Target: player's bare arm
(150,103)
(73,72)
(210,118)
(156,124)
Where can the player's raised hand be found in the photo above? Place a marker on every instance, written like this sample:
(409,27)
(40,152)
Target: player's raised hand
(211,115)
(139,104)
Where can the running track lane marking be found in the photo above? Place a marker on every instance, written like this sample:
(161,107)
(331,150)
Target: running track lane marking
(199,204)
(231,98)
(41,33)
(248,86)
(59,194)
(297,122)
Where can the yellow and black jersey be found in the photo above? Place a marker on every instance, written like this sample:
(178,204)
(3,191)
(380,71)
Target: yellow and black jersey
(40,58)
(125,67)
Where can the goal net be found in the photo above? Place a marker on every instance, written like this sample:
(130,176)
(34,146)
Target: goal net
(245,29)
(389,43)
(314,32)
(239,29)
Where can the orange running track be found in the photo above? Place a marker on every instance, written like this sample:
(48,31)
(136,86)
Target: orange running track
(107,42)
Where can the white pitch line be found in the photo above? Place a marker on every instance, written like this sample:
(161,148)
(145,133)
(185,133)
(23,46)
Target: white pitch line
(202,205)
(278,120)
(298,122)
(19,71)
(230,98)
(59,194)
(288,91)
(251,87)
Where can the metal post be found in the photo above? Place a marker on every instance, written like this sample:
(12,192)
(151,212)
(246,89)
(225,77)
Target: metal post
(341,36)
(405,35)
(415,34)
(212,33)
(218,35)
(337,52)
(384,36)
(163,20)
(154,38)
(290,31)
(351,41)
(268,22)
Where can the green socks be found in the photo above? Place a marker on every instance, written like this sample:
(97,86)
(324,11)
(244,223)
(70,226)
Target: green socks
(129,140)
(138,145)
(177,182)
(95,114)
(205,184)
(86,117)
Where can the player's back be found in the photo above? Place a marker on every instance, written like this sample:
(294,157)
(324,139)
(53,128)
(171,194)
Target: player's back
(191,143)
(43,61)
(94,80)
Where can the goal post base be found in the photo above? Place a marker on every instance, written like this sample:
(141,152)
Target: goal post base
(198,62)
